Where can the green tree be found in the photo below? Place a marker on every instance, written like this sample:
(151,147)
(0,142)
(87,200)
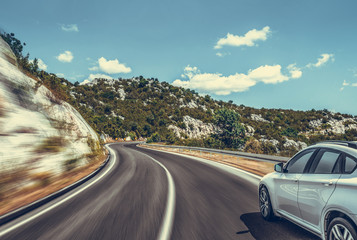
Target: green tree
(231,131)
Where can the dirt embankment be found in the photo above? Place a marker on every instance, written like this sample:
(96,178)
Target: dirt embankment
(46,184)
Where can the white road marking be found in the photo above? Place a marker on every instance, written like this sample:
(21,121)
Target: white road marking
(236,171)
(168,220)
(19,224)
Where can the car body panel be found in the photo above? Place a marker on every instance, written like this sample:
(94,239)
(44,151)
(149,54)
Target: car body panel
(313,195)
(345,195)
(308,198)
(287,193)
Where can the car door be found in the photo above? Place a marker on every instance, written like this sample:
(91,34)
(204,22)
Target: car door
(317,185)
(287,184)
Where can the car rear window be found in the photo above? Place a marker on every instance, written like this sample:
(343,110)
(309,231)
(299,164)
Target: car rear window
(350,165)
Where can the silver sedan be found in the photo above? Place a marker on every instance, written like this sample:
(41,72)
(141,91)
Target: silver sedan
(316,189)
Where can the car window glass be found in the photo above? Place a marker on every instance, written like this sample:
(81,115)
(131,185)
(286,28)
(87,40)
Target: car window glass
(350,165)
(327,163)
(297,164)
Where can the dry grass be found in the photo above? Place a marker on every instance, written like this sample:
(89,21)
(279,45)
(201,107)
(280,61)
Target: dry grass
(257,167)
(46,184)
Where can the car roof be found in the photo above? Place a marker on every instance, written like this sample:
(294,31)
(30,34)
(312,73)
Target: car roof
(349,147)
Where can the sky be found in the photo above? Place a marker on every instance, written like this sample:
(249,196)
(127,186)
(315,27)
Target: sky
(297,55)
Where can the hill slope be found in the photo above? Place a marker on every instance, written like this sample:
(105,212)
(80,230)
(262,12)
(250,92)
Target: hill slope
(141,107)
(147,108)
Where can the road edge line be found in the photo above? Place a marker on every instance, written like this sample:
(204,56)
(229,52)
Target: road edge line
(22,211)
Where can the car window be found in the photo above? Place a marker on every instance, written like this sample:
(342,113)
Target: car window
(327,163)
(298,163)
(350,165)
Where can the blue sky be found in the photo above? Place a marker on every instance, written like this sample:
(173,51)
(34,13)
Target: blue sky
(273,54)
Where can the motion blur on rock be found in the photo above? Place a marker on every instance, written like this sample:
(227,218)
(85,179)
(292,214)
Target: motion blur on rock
(40,135)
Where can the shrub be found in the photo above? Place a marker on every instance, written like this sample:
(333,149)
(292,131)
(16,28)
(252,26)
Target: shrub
(253,146)
(71,164)
(43,178)
(51,145)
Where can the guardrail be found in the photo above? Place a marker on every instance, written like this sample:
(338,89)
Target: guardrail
(251,156)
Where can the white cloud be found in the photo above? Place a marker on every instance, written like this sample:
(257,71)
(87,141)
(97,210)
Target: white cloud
(67,56)
(325,57)
(190,72)
(344,84)
(347,84)
(112,66)
(95,68)
(85,82)
(217,83)
(239,82)
(220,54)
(41,64)
(268,74)
(91,77)
(295,72)
(61,75)
(248,39)
(70,28)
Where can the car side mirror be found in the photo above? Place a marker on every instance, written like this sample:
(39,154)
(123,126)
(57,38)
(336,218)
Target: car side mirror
(278,167)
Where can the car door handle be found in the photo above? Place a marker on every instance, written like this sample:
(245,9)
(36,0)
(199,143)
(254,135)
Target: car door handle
(327,183)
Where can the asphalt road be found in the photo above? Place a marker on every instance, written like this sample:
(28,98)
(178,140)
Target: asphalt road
(129,200)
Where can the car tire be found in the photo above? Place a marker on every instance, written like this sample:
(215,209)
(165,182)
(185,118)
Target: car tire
(340,228)
(265,207)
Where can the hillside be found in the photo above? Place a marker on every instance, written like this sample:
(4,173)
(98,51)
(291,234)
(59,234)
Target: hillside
(140,107)
(147,108)
(41,136)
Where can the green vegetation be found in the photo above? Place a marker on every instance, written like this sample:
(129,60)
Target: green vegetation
(51,145)
(70,164)
(231,132)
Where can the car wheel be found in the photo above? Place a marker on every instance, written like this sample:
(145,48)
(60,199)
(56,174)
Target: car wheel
(341,229)
(265,207)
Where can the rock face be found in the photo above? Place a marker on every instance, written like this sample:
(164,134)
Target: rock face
(37,130)
(259,118)
(194,128)
(249,130)
(334,126)
(292,144)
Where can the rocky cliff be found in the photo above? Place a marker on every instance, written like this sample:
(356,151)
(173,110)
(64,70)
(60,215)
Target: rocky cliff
(37,131)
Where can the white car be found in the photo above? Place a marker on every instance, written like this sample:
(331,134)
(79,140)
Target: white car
(316,189)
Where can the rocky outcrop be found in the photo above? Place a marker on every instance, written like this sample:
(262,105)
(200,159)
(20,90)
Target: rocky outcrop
(292,144)
(194,128)
(258,118)
(333,126)
(37,130)
(249,130)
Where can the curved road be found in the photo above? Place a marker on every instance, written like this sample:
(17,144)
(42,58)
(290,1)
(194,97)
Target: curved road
(132,198)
